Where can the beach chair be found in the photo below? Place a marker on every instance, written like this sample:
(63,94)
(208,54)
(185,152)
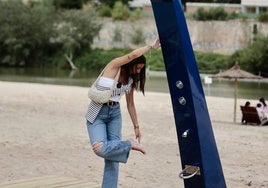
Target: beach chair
(250,115)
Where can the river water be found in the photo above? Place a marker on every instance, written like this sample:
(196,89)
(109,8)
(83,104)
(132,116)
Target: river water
(250,89)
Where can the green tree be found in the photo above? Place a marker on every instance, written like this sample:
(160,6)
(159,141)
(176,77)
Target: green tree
(23,33)
(254,57)
(30,34)
(76,30)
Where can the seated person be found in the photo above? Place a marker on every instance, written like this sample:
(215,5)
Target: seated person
(247,103)
(263,105)
(260,111)
(243,119)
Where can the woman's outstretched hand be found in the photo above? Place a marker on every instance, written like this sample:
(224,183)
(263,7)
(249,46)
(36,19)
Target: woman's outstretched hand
(138,134)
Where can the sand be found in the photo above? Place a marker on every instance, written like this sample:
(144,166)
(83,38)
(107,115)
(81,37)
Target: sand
(43,132)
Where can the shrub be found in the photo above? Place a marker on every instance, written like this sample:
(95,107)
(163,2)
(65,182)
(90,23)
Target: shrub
(263,17)
(105,11)
(138,37)
(120,11)
(155,61)
(200,14)
(211,62)
(233,15)
(136,13)
(211,14)
(117,35)
(98,58)
(218,13)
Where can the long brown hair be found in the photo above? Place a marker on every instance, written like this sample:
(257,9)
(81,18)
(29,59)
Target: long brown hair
(139,78)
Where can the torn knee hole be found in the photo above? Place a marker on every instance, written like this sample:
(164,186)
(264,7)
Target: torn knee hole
(97,146)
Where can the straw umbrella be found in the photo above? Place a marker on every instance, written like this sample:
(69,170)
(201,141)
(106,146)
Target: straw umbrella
(236,73)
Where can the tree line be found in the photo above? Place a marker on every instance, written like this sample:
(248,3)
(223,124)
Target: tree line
(34,34)
(46,34)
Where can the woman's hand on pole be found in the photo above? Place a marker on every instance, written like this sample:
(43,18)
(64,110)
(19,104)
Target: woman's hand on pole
(156,44)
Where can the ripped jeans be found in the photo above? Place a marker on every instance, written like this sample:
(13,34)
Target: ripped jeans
(107,129)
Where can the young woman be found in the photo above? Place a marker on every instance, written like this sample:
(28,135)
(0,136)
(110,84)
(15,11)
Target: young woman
(264,107)
(104,120)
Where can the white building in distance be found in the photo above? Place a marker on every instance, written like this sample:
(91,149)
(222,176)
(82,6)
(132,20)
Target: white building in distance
(257,6)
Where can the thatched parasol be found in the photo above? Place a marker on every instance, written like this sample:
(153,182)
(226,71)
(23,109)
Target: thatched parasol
(236,73)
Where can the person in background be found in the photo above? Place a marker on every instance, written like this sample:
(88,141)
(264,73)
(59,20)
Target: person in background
(263,105)
(246,105)
(260,111)
(104,121)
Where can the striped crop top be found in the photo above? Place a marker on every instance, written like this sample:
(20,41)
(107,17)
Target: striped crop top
(119,90)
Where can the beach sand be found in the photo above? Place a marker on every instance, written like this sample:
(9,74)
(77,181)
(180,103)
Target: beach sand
(43,132)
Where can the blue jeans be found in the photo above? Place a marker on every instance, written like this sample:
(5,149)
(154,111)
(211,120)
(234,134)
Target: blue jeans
(107,129)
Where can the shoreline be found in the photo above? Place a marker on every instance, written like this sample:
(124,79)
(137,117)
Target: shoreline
(43,132)
(163,74)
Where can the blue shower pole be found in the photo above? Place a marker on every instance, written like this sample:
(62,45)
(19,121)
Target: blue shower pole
(201,166)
